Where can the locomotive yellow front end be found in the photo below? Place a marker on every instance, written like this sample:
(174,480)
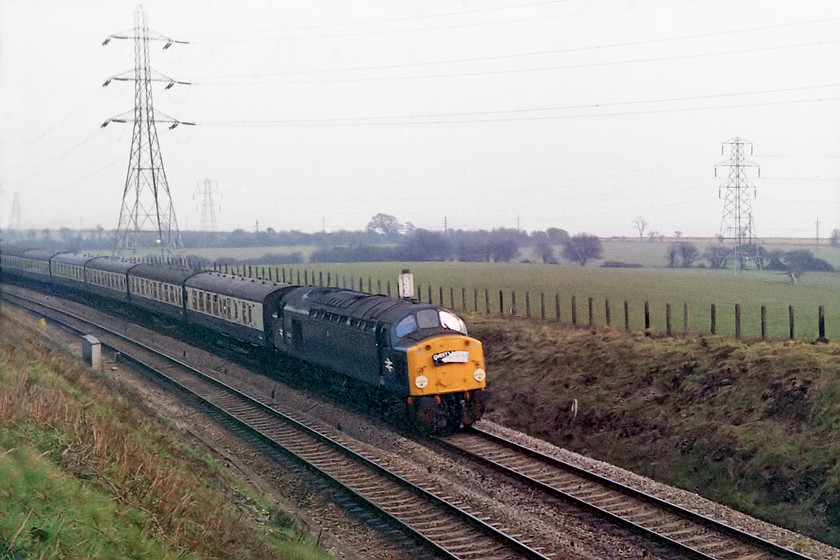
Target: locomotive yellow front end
(447,381)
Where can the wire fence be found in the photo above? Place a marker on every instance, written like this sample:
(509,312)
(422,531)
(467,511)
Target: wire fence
(576,311)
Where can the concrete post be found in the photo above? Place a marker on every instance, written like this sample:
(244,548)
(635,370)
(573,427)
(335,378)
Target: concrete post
(92,352)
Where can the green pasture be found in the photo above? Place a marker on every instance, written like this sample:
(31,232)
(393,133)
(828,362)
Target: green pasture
(654,254)
(698,288)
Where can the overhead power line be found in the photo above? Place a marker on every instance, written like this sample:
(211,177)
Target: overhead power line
(529,114)
(565,50)
(278,34)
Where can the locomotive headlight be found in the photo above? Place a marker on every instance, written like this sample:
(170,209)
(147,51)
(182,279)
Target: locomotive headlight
(421,381)
(479,375)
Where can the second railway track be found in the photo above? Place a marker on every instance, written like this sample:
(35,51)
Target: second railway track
(690,533)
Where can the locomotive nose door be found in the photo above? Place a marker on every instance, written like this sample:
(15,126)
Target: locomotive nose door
(391,366)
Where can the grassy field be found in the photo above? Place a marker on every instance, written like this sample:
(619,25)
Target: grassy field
(699,288)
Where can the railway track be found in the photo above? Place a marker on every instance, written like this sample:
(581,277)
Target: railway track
(690,533)
(442,527)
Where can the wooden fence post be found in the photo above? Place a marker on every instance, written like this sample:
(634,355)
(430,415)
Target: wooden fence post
(557,307)
(790,317)
(513,303)
(388,288)
(591,313)
(440,295)
(429,291)
(821,314)
(487,300)
(737,320)
(714,319)
(763,322)
(686,322)
(626,316)
(501,302)
(607,311)
(668,318)
(574,311)
(528,305)
(542,306)
(647,317)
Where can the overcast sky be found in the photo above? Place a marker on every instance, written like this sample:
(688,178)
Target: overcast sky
(319,114)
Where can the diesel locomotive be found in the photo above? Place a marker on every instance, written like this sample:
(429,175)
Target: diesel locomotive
(421,353)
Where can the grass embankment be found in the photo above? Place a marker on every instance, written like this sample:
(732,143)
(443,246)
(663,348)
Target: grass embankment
(750,424)
(85,474)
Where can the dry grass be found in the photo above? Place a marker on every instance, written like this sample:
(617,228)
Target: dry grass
(73,418)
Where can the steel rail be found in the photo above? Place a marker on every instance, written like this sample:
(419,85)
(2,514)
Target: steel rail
(579,496)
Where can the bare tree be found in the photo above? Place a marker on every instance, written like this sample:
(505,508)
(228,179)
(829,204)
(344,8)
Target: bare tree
(671,255)
(688,253)
(582,247)
(641,225)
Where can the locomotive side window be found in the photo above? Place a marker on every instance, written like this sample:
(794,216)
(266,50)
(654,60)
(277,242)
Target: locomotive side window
(451,322)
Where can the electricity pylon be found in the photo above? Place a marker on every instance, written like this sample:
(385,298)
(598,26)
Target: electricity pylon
(209,227)
(147,203)
(737,221)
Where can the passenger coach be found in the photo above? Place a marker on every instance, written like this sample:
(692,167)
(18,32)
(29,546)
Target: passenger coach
(239,307)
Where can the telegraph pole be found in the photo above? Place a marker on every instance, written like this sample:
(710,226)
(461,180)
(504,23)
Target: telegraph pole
(14,219)
(737,221)
(147,203)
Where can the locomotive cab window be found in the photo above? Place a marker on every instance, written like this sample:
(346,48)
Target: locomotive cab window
(407,326)
(429,319)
